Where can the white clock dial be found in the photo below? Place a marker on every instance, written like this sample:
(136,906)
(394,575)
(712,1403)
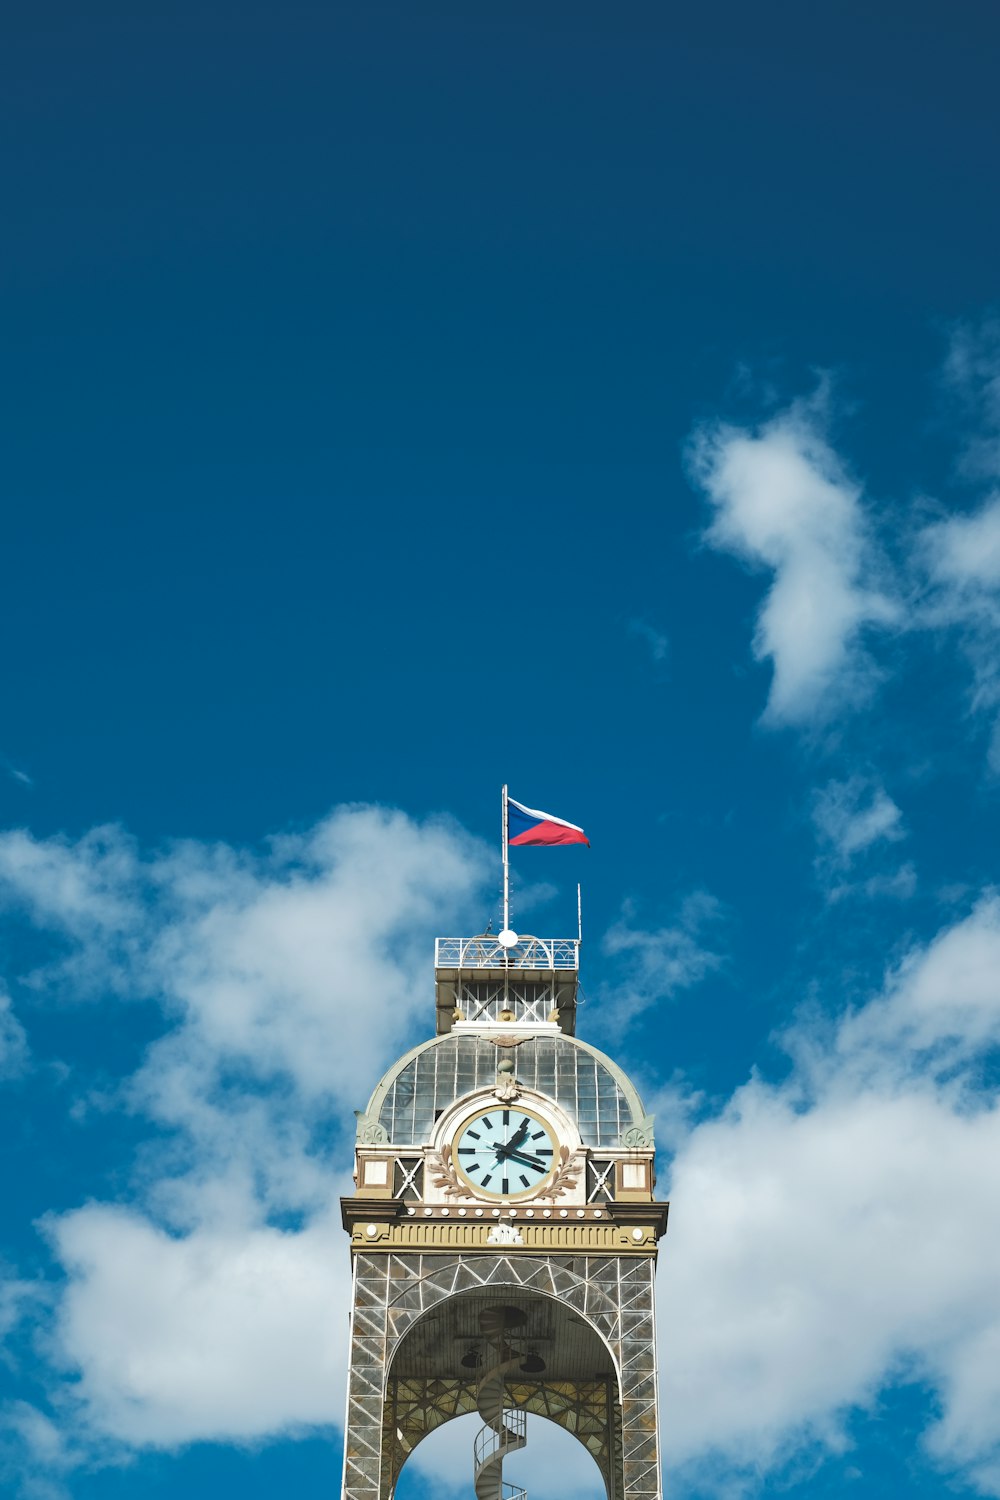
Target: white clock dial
(505,1152)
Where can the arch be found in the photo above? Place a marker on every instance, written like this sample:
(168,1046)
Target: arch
(425,1387)
(418,1294)
(391,1292)
(535,1491)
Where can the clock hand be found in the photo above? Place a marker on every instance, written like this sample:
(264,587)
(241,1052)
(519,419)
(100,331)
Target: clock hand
(515,1140)
(525,1161)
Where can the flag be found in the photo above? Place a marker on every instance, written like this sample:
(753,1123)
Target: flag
(526,825)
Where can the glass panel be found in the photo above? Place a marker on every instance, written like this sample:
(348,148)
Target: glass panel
(457,1065)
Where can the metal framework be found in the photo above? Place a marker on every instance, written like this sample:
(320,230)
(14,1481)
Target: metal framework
(582,1081)
(398,1392)
(487,952)
(443,1068)
(530,1002)
(588,1409)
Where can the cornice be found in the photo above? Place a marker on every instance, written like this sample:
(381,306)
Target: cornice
(375,1224)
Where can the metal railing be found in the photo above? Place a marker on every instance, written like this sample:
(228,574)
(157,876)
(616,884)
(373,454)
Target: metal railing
(489,1439)
(485,952)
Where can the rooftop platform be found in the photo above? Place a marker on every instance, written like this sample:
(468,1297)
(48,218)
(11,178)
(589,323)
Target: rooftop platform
(526,981)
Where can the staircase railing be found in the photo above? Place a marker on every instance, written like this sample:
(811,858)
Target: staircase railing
(505,1429)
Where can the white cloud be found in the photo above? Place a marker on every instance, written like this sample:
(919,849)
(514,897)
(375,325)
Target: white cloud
(34,1453)
(854,820)
(963,552)
(838,1231)
(784,502)
(304,964)
(657,963)
(852,815)
(942,998)
(227,1334)
(214,1306)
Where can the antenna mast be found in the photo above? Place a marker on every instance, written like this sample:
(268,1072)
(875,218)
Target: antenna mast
(506,860)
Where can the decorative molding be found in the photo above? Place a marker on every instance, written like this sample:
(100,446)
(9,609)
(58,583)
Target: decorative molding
(507,1090)
(467,1236)
(508,1039)
(370,1132)
(639,1137)
(444,1176)
(504,1234)
(566,1175)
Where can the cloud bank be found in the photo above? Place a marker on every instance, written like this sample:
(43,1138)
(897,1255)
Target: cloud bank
(836,1233)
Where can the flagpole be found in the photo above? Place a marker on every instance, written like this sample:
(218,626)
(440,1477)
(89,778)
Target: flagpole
(506,861)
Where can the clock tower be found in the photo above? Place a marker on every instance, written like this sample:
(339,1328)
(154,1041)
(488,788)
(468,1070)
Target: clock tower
(503,1233)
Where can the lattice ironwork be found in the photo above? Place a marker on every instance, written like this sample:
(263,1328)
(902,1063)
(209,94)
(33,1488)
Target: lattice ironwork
(528,1001)
(408,1178)
(611,1295)
(588,1409)
(600,1181)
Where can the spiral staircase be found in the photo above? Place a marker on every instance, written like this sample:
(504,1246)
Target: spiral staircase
(505,1429)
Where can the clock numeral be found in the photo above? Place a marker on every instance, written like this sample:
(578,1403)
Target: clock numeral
(487,1179)
(505,1187)
(506,1116)
(487,1123)
(473,1133)
(525,1180)
(476,1167)
(539,1135)
(545,1151)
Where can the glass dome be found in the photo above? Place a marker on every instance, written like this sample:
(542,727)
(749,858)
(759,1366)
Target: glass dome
(581,1080)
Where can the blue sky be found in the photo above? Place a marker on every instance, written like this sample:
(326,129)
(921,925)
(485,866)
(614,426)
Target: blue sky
(399,400)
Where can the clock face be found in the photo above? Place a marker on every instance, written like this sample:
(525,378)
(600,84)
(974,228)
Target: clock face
(505,1152)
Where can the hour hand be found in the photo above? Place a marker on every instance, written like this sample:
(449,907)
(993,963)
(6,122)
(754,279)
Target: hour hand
(515,1140)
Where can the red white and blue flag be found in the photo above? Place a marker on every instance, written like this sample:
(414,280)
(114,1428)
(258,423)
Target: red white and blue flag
(526,825)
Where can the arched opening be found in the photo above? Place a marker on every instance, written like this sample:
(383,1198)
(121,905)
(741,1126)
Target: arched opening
(554,1465)
(564,1374)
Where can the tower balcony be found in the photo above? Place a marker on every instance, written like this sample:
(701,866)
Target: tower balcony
(483,984)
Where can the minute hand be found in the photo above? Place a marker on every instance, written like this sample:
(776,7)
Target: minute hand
(525,1161)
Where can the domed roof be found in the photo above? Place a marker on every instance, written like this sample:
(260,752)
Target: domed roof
(585,1083)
